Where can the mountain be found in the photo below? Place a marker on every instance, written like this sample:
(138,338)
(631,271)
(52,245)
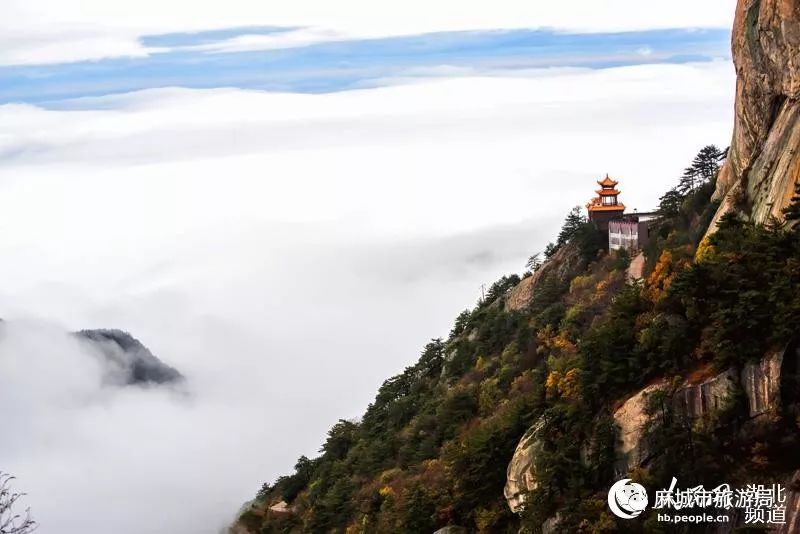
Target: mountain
(588,370)
(127,360)
(763,163)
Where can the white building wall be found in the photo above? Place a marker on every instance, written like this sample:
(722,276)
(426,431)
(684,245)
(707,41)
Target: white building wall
(623,234)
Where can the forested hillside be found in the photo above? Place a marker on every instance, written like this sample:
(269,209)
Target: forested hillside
(433,448)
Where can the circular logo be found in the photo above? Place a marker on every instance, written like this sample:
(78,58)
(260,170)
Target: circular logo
(627,499)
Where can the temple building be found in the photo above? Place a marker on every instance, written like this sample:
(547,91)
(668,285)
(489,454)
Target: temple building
(630,231)
(605,206)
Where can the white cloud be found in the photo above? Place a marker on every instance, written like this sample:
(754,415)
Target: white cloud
(46,31)
(271,41)
(286,253)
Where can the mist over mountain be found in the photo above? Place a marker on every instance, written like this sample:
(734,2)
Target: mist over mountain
(130,362)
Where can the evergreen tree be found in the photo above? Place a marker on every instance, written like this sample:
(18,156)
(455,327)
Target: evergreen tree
(572,223)
(420,510)
(792,211)
(704,168)
(670,204)
(535,262)
(460,324)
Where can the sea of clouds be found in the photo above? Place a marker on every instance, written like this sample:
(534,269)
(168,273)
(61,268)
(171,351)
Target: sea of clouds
(286,253)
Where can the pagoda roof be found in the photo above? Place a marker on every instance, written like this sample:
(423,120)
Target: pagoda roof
(607,182)
(607,192)
(600,207)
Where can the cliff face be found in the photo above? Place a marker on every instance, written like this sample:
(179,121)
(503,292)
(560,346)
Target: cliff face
(763,164)
(761,382)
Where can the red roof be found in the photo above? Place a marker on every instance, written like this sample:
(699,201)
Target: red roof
(607,192)
(607,182)
(600,207)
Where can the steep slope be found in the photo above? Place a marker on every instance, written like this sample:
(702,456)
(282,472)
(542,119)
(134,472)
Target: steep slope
(541,396)
(764,159)
(577,374)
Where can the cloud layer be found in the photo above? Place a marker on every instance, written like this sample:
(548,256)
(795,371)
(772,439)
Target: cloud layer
(50,31)
(286,253)
(258,58)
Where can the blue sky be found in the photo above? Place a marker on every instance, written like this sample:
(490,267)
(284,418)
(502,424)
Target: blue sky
(200,60)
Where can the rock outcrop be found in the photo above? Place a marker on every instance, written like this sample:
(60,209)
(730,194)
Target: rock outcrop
(763,163)
(520,477)
(792,524)
(761,383)
(631,419)
(699,400)
(563,266)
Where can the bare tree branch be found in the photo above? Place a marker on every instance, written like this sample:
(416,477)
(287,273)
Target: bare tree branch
(10,522)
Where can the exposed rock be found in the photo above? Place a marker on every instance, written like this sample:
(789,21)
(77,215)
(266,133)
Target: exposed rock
(563,266)
(129,362)
(631,418)
(761,382)
(764,159)
(520,295)
(699,400)
(519,476)
(792,524)
(451,529)
(281,508)
(635,270)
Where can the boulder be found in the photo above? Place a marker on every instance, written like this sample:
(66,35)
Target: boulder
(520,477)
(631,417)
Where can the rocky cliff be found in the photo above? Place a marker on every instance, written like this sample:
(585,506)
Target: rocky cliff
(763,163)
(760,382)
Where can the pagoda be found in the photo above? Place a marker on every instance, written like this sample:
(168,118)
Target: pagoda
(605,206)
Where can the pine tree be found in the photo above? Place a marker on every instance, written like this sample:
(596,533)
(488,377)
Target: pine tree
(688,181)
(573,222)
(535,262)
(670,204)
(707,162)
(704,167)
(792,211)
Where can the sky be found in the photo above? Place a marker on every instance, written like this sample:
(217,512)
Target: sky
(286,203)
